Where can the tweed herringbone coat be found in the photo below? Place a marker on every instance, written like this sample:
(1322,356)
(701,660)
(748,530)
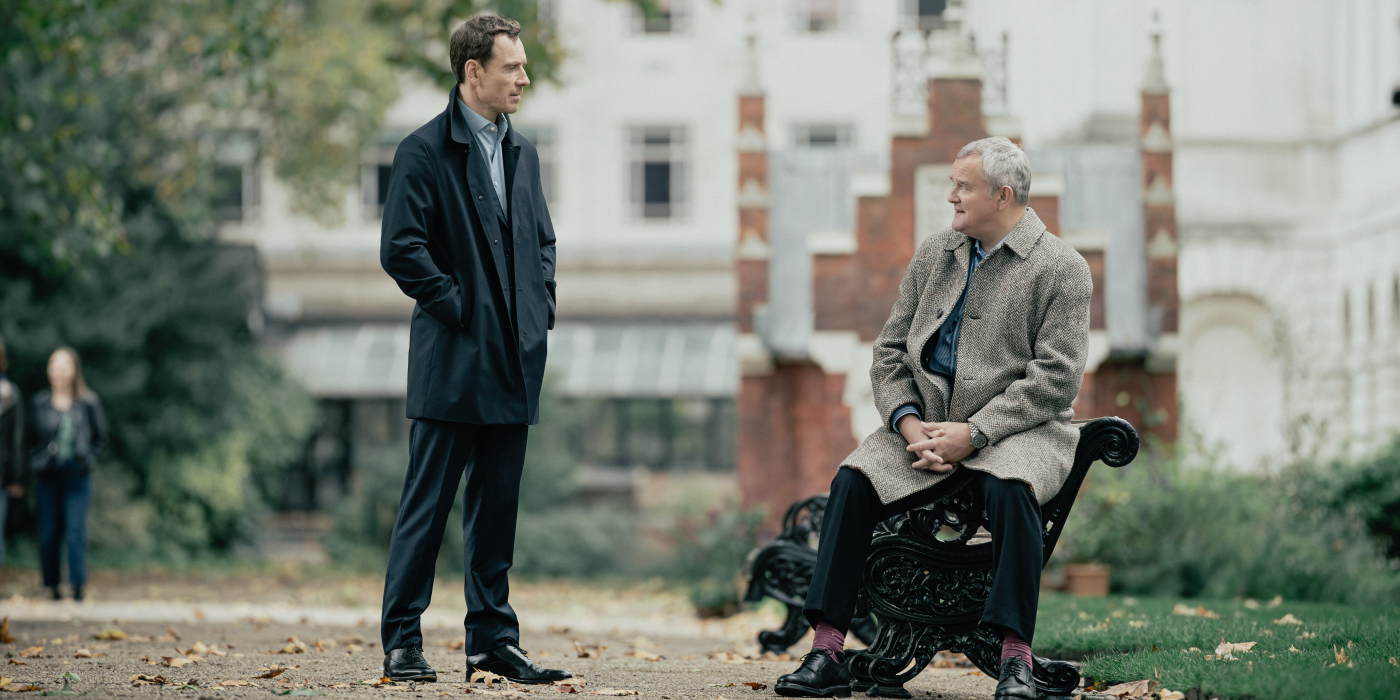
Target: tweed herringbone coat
(1020,360)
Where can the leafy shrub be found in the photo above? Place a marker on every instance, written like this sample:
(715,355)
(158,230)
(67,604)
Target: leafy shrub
(1168,529)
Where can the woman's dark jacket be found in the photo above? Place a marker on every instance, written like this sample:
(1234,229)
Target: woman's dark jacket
(89,426)
(12,462)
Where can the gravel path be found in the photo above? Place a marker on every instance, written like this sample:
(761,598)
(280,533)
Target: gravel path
(625,628)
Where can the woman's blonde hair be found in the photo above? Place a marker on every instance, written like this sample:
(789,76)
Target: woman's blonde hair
(80,387)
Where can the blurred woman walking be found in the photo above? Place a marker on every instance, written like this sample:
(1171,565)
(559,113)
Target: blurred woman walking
(11,444)
(67,432)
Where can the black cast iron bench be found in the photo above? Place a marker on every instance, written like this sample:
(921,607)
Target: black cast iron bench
(927,577)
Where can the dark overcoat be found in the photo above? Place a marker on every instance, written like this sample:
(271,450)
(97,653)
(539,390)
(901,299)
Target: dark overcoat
(476,346)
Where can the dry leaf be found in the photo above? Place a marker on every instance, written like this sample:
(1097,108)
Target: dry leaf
(353,648)
(1307,635)
(456,644)
(171,633)
(324,644)
(378,681)
(1135,689)
(341,685)
(589,652)
(1226,649)
(1198,611)
(216,652)
(487,676)
(755,685)
(177,661)
(5,636)
(1277,601)
(1288,619)
(615,691)
(84,654)
(30,652)
(1171,695)
(1293,648)
(1394,662)
(16,662)
(141,679)
(274,670)
(643,655)
(236,682)
(199,648)
(198,614)
(567,689)
(1341,655)
(1251,604)
(725,657)
(1137,623)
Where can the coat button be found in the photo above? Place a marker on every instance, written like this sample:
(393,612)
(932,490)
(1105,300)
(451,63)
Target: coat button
(480,197)
(496,241)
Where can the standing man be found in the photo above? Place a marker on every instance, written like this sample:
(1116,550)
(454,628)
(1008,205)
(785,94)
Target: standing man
(975,369)
(467,235)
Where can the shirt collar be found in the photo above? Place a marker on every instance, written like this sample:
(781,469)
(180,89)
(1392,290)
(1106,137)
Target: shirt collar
(477,123)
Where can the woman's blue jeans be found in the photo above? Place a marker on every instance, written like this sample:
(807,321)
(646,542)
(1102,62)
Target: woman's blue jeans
(64,494)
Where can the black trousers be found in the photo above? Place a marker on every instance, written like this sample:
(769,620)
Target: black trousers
(852,511)
(491,457)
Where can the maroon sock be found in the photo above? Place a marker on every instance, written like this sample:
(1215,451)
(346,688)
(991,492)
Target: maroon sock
(830,640)
(1011,645)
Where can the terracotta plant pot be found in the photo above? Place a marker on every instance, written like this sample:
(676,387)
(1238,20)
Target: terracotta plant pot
(1086,579)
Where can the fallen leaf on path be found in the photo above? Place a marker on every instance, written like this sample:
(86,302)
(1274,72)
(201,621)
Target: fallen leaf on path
(199,648)
(170,634)
(1288,619)
(198,614)
(567,689)
(177,661)
(486,676)
(378,681)
(274,670)
(643,655)
(16,662)
(455,644)
(141,679)
(1226,649)
(1135,689)
(236,683)
(725,657)
(324,644)
(721,685)
(353,648)
(770,656)
(85,654)
(341,685)
(30,652)
(756,685)
(294,646)
(5,636)
(615,691)
(589,652)
(1198,611)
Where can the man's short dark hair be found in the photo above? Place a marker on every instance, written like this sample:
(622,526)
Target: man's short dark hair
(475,39)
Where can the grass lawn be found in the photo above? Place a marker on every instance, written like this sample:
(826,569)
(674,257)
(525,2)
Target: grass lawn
(1122,638)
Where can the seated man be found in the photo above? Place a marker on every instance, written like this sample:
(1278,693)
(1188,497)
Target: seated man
(976,369)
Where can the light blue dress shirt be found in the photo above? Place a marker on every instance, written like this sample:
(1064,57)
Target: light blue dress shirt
(490,136)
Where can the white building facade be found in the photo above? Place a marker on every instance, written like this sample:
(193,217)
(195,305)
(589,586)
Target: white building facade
(1286,135)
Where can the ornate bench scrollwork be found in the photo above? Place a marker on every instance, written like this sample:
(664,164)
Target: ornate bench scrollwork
(929,574)
(782,570)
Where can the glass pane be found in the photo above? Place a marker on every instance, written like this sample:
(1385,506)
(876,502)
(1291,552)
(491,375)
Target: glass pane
(227,199)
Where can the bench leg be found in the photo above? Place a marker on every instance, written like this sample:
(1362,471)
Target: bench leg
(778,641)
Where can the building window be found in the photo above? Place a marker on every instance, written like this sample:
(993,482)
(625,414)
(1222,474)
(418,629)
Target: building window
(819,15)
(822,135)
(658,172)
(660,16)
(234,179)
(543,138)
(375,174)
(926,14)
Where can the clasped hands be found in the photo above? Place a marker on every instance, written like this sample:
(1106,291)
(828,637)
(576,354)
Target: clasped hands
(939,446)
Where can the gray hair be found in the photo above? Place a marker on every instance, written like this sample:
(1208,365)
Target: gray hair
(1004,164)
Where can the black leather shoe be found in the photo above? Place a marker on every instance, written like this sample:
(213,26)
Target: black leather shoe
(408,664)
(512,663)
(819,676)
(1016,683)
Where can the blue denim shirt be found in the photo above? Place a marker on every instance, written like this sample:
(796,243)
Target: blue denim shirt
(944,357)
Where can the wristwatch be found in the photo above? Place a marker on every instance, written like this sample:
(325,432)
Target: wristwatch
(978,439)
